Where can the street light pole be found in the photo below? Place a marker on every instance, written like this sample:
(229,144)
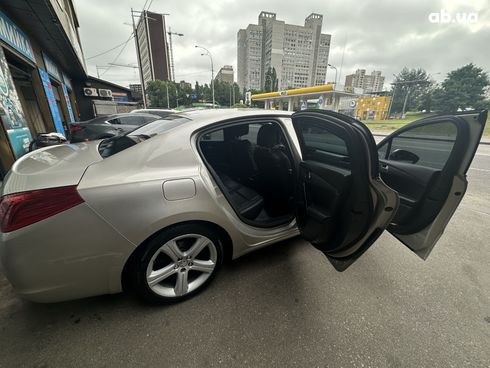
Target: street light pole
(212,67)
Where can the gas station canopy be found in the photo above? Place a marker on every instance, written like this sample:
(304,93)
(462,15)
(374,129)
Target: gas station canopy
(328,97)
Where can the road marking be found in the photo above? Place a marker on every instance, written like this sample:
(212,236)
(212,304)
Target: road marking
(482,154)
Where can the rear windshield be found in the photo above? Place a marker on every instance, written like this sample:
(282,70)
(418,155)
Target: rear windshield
(111,146)
(161,113)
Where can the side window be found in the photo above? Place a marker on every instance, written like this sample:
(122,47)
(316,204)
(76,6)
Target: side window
(427,145)
(320,140)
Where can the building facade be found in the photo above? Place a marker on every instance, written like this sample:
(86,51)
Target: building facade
(369,83)
(136,88)
(41,67)
(153,48)
(226,74)
(299,54)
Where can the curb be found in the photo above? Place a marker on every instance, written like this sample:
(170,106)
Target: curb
(486,142)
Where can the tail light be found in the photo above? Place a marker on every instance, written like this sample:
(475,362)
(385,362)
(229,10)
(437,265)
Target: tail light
(22,209)
(76,128)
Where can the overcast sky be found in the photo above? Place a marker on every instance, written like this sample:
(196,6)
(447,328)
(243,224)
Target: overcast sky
(384,35)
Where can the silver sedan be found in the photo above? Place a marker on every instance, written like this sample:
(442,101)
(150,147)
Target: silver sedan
(156,212)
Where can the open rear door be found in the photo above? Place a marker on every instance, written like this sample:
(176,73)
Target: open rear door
(342,205)
(426,163)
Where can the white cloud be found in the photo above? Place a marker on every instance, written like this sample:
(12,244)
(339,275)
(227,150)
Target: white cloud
(381,34)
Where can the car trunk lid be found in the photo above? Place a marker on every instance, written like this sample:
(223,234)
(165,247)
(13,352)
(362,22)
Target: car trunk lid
(54,166)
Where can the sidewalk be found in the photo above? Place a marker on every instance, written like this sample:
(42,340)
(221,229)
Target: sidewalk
(384,133)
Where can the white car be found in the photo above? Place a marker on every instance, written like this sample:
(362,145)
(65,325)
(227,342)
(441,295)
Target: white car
(163,113)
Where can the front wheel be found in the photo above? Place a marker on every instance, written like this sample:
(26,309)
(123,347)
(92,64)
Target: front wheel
(177,263)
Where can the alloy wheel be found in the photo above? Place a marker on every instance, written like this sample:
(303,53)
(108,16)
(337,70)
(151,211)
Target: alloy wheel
(181,265)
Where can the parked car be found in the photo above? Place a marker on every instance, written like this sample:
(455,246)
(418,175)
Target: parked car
(47,139)
(158,211)
(160,112)
(108,126)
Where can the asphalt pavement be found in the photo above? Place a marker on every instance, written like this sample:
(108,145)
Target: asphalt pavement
(285,306)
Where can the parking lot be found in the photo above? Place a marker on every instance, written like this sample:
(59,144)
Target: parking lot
(286,306)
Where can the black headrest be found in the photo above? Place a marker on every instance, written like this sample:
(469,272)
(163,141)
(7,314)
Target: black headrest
(236,131)
(268,135)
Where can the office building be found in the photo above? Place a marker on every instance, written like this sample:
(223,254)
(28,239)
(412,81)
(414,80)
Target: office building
(153,47)
(226,74)
(367,82)
(299,54)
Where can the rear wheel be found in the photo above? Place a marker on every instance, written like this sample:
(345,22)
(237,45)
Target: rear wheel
(177,263)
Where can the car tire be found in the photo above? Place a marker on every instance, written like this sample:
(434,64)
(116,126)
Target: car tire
(176,264)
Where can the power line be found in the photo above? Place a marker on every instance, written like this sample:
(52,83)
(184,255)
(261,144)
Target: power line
(109,50)
(119,54)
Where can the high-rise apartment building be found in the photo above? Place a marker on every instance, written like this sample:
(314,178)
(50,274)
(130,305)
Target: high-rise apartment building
(226,74)
(299,54)
(153,47)
(368,83)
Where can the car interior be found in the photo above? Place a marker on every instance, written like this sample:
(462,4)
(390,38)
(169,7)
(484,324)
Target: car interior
(419,164)
(252,164)
(334,205)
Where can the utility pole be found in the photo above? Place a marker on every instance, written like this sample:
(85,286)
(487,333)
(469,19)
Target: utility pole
(143,89)
(172,65)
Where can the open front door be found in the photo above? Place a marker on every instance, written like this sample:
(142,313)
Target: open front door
(342,205)
(426,163)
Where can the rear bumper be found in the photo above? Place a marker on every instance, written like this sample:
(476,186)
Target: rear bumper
(74,254)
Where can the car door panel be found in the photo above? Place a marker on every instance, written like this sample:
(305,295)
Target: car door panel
(342,205)
(431,188)
(323,192)
(412,184)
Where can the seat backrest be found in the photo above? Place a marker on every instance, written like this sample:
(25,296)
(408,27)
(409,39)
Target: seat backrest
(273,163)
(240,152)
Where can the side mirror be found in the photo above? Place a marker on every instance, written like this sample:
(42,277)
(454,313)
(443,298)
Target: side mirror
(404,155)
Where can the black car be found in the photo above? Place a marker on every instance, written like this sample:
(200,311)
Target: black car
(108,126)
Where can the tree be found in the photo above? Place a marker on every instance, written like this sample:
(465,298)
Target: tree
(463,88)
(271,83)
(408,88)
(197,90)
(157,93)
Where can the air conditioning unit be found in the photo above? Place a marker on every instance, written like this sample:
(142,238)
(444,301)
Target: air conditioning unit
(105,93)
(90,92)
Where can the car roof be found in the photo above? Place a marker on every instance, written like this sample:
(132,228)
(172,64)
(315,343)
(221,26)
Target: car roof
(137,111)
(129,114)
(201,118)
(198,119)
